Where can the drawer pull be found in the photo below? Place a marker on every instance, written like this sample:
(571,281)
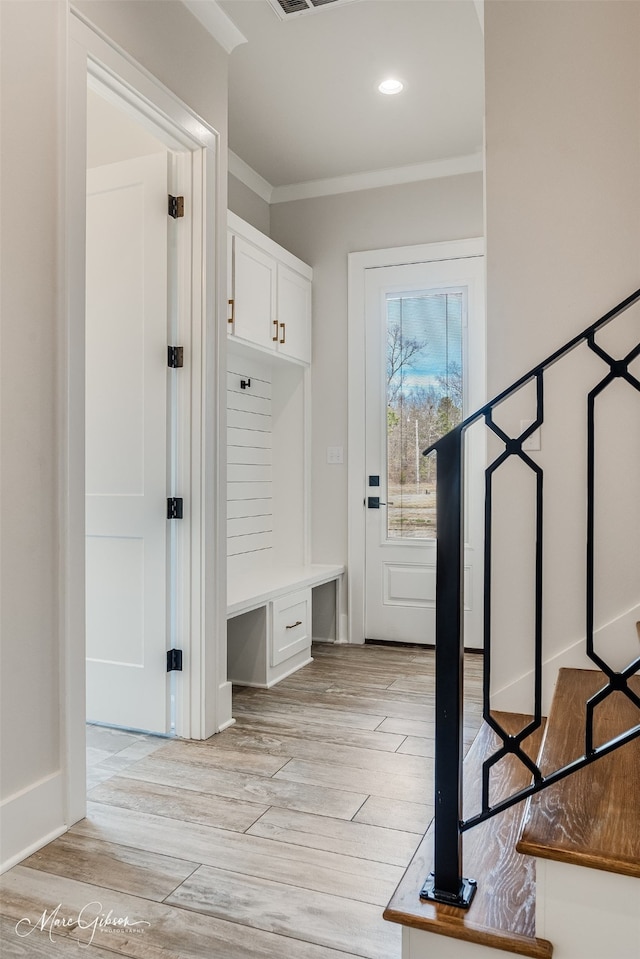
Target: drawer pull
(283,329)
(232,319)
(275,338)
(293,625)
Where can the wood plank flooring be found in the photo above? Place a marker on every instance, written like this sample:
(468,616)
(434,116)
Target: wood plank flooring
(282,838)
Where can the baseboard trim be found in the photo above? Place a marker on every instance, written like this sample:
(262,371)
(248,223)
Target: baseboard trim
(274,682)
(400,645)
(230,722)
(397,644)
(224,719)
(30,819)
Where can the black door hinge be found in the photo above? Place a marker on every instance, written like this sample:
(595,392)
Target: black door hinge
(175,356)
(174,507)
(176,206)
(174,660)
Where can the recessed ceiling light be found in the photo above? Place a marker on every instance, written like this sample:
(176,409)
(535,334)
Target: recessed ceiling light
(390,86)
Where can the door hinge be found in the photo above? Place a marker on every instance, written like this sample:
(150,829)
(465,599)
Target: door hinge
(174,660)
(174,507)
(176,206)
(175,357)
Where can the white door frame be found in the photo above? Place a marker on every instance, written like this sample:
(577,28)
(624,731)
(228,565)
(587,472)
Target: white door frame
(359,263)
(203,695)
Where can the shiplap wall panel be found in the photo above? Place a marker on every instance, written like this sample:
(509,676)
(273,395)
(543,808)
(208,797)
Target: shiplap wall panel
(249,458)
(248,473)
(250,543)
(246,525)
(248,491)
(244,437)
(249,454)
(246,401)
(248,507)
(241,420)
(260,385)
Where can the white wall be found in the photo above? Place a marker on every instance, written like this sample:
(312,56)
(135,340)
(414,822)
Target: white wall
(323,231)
(563,246)
(248,205)
(166,39)
(563,156)
(29,316)
(170,43)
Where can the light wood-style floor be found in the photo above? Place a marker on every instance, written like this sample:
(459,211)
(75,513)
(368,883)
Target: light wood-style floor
(282,838)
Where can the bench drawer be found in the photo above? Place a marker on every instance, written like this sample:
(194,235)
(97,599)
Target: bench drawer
(290,625)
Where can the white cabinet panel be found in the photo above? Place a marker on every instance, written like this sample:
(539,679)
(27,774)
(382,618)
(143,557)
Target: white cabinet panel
(254,294)
(291,626)
(294,314)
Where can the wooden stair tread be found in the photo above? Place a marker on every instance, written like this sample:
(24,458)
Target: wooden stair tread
(592,817)
(502,913)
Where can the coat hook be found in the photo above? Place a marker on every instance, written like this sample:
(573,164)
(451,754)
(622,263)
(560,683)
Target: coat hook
(245,384)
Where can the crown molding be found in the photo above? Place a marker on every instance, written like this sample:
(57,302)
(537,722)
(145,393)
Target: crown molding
(247,175)
(216,22)
(352,183)
(431,170)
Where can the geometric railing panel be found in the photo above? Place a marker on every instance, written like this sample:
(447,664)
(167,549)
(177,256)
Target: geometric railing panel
(446,884)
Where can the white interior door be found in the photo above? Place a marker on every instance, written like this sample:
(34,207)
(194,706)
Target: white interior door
(425,362)
(126,444)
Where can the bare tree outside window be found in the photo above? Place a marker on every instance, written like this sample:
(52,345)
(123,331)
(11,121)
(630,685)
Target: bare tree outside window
(424,401)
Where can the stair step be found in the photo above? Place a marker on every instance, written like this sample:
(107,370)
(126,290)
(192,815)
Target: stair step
(591,818)
(502,914)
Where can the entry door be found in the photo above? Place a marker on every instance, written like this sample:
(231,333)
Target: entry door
(126,444)
(424,372)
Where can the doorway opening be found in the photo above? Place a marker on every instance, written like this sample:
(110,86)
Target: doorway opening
(194,613)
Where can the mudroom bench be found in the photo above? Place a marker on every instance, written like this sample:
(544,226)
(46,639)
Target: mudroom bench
(272,620)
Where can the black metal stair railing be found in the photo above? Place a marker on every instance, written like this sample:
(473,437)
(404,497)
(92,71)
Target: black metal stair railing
(446,883)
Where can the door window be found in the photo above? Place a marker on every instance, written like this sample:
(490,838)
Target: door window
(424,387)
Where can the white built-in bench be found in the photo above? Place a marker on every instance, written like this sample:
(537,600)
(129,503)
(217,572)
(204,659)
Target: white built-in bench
(273,618)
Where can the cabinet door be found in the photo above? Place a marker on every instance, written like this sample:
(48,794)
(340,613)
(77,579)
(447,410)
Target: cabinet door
(254,287)
(230,293)
(294,314)
(291,625)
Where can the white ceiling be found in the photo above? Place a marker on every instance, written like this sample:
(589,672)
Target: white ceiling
(303,99)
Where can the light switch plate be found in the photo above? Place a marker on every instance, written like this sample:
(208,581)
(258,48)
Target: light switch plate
(335,454)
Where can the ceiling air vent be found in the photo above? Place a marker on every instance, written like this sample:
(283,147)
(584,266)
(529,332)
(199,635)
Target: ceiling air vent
(294,8)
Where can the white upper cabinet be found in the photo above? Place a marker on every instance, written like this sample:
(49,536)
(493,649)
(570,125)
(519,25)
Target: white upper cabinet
(254,306)
(269,294)
(294,314)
